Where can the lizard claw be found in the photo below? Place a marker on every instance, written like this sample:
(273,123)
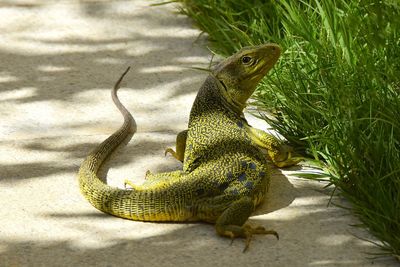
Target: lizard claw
(174,154)
(148,175)
(169,150)
(258,230)
(128,183)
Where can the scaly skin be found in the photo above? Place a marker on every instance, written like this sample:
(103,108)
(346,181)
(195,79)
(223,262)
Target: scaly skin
(225,174)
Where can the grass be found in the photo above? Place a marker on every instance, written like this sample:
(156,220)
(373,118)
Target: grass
(335,93)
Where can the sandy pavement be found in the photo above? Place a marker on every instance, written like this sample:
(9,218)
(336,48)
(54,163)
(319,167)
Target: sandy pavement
(59,60)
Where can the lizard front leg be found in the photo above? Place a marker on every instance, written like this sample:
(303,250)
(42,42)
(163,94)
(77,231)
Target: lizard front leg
(232,222)
(180,146)
(279,153)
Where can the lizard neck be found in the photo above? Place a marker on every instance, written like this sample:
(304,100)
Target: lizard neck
(227,101)
(212,102)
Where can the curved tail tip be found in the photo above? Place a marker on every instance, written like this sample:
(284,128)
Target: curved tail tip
(117,84)
(126,71)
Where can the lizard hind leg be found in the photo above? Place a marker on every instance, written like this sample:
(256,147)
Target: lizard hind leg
(231,223)
(155,180)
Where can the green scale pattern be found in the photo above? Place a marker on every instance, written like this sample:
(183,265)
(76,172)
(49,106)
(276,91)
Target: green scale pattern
(218,145)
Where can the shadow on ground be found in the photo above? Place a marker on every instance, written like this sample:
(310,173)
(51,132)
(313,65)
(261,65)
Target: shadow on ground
(47,68)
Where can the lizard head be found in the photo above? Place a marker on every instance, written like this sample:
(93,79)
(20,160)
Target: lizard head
(240,73)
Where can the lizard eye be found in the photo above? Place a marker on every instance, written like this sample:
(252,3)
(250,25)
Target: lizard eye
(246,59)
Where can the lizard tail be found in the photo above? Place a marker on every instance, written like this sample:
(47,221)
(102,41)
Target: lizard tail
(98,193)
(143,205)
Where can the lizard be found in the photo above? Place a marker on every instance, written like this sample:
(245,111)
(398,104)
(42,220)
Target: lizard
(224,175)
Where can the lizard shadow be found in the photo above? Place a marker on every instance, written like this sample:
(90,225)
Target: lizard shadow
(281,193)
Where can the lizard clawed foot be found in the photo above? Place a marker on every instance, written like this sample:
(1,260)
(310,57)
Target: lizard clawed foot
(246,231)
(132,185)
(258,230)
(290,161)
(174,154)
(128,183)
(169,150)
(283,157)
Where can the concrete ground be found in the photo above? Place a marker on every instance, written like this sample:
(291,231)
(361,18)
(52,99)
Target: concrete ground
(59,60)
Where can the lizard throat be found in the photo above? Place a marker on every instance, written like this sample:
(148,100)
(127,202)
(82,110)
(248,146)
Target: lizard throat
(228,101)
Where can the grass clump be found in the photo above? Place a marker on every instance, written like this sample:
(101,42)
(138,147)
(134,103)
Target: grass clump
(335,92)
